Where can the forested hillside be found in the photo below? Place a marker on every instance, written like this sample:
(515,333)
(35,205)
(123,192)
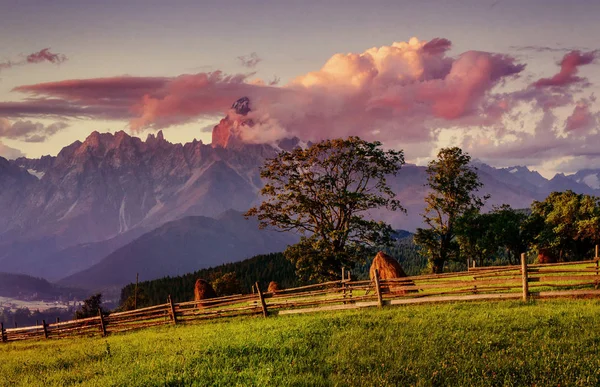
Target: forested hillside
(261,268)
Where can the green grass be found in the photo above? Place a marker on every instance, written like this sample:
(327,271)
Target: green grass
(462,344)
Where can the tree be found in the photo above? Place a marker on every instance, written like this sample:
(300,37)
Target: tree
(452,182)
(324,192)
(475,237)
(91,307)
(511,231)
(227,284)
(567,224)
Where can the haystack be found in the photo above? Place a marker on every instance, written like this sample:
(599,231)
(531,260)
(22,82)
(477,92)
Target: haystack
(273,287)
(203,290)
(388,268)
(546,256)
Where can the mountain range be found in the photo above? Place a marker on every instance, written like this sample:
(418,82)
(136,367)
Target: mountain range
(115,197)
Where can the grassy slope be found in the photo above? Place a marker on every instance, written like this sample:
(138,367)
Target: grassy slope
(504,343)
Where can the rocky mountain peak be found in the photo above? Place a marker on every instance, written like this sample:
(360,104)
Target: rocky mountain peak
(226,133)
(242,106)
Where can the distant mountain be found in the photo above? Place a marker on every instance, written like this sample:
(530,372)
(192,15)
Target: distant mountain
(63,214)
(26,287)
(589,177)
(180,247)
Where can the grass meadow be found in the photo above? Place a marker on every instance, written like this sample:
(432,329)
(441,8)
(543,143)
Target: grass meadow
(507,343)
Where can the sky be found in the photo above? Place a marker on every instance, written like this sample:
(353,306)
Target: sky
(511,82)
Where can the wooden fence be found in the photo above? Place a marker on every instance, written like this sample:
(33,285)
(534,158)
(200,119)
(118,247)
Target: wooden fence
(573,279)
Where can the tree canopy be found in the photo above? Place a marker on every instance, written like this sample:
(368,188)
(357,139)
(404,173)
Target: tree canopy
(566,224)
(452,181)
(324,192)
(91,307)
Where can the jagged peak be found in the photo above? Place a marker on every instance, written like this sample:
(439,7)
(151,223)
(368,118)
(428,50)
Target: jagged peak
(242,106)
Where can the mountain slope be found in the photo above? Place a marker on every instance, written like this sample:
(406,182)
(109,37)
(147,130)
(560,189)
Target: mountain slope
(179,247)
(62,214)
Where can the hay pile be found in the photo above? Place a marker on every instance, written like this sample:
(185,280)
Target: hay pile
(389,268)
(203,290)
(273,287)
(546,256)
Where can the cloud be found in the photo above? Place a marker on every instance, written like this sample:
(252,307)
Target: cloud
(147,102)
(29,131)
(192,96)
(407,94)
(581,121)
(9,153)
(569,67)
(45,56)
(249,61)
(541,48)
(41,56)
(400,92)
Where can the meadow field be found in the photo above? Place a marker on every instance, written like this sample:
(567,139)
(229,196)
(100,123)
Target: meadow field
(506,343)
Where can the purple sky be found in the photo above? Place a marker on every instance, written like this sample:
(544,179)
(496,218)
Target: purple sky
(498,90)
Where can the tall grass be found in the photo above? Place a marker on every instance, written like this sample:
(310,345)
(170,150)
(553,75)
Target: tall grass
(482,344)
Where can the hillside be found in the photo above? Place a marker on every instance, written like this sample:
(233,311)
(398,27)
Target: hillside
(180,247)
(261,269)
(30,288)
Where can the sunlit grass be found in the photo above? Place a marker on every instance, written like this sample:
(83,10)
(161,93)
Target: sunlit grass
(493,343)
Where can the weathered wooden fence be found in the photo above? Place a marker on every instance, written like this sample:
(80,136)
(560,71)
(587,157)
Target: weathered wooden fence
(573,279)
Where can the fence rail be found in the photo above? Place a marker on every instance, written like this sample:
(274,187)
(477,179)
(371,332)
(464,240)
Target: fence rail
(573,279)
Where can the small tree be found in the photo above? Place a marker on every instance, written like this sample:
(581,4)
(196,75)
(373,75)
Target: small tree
(227,284)
(91,307)
(452,182)
(324,192)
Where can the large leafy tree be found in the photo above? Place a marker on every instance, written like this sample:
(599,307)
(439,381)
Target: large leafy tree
(452,182)
(567,224)
(324,192)
(501,234)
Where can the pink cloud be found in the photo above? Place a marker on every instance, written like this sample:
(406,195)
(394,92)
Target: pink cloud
(43,55)
(97,90)
(569,67)
(581,120)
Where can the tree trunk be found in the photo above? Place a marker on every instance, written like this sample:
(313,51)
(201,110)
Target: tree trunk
(437,266)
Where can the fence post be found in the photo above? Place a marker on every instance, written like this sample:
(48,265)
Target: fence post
(102,325)
(597,267)
(45,329)
(172,310)
(2,333)
(524,276)
(262,300)
(378,289)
